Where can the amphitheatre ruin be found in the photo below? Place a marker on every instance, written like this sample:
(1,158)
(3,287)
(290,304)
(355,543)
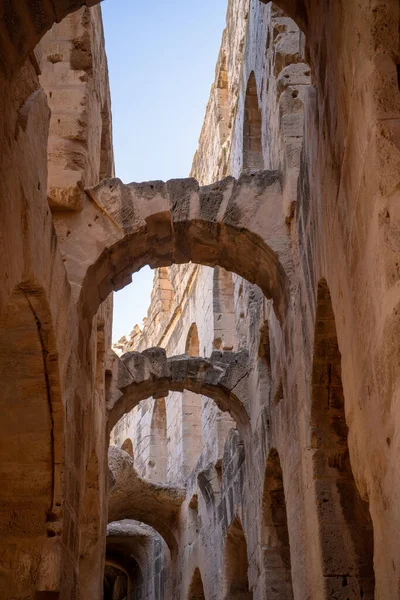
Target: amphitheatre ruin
(244,443)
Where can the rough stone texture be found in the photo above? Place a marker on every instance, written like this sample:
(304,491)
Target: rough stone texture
(134,498)
(304,504)
(74,75)
(130,545)
(138,376)
(46,439)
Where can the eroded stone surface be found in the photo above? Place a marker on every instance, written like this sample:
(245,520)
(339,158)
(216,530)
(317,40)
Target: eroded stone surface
(134,498)
(321,463)
(137,376)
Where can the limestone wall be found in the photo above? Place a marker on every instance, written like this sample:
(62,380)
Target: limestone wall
(75,77)
(51,148)
(53,107)
(299,495)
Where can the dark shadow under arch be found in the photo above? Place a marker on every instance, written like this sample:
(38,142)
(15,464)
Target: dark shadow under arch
(345,527)
(116,584)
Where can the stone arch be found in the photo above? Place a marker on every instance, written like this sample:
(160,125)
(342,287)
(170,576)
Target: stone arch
(32,455)
(124,558)
(274,533)
(143,553)
(158,459)
(224,310)
(125,227)
(344,523)
(236,583)
(116,584)
(134,498)
(196,589)
(252,129)
(131,539)
(137,376)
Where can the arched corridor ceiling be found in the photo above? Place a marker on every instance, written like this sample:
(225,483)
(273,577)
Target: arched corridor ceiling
(134,498)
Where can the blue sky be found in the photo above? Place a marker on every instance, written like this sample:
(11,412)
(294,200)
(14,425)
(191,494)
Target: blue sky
(161,59)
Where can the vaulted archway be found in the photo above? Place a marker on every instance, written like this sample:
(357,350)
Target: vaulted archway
(134,498)
(116,582)
(144,555)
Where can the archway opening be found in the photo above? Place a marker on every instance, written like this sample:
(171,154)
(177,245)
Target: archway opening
(274,533)
(142,554)
(192,346)
(344,523)
(196,590)
(252,132)
(127,447)
(236,583)
(130,309)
